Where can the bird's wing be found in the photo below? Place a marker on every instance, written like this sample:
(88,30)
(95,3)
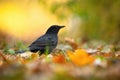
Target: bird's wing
(44,41)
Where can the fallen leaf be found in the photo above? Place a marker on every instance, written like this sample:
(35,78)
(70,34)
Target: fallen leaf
(72,43)
(59,58)
(80,57)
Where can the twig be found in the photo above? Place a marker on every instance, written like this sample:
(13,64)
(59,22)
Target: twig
(4,58)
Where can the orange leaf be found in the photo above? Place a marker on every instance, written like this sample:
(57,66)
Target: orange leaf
(59,58)
(23,61)
(80,57)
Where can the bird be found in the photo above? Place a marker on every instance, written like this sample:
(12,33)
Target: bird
(46,42)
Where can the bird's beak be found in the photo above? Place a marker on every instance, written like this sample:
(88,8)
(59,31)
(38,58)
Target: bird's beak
(62,26)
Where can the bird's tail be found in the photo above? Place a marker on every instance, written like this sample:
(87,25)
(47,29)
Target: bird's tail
(20,51)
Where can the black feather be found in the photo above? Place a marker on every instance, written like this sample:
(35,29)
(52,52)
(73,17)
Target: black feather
(48,41)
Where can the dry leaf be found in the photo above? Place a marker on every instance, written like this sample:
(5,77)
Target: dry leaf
(72,43)
(80,57)
(59,58)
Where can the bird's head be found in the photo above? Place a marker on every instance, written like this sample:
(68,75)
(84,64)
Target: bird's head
(54,29)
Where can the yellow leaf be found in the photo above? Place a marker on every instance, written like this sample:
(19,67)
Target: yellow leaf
(80,57)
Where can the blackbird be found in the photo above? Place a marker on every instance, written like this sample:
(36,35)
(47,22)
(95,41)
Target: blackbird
(47,42)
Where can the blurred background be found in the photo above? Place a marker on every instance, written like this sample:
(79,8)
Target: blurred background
(26,20)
